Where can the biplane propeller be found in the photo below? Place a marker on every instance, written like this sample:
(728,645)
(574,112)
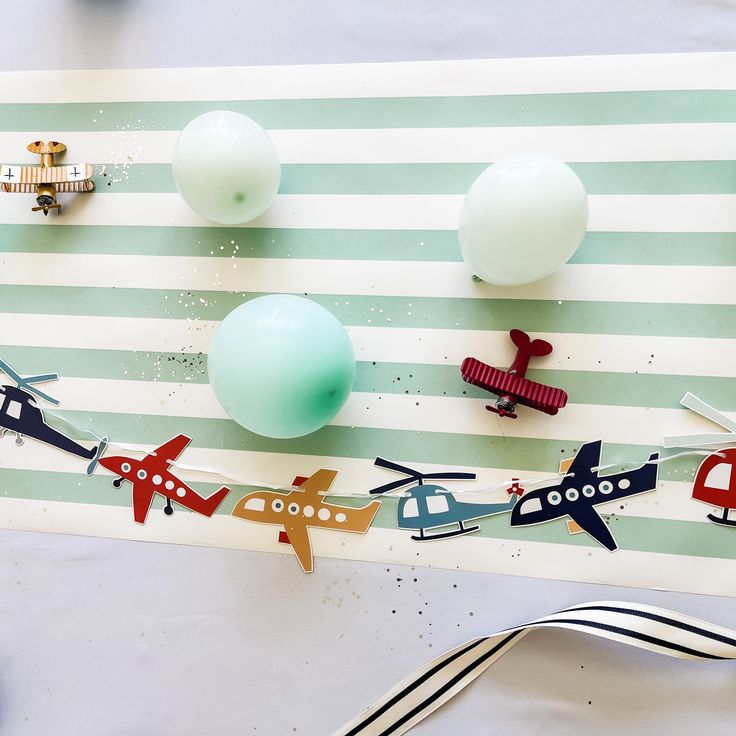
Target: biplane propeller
(46,180)
(511,386)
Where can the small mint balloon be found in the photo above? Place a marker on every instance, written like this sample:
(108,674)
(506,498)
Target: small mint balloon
(226,167)
(522,218)
(281,366)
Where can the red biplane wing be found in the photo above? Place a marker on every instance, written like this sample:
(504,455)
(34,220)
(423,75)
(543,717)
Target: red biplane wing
(528,393)
(171,450)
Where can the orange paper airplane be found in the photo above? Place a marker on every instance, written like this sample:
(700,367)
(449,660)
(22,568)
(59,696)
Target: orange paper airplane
(298,510)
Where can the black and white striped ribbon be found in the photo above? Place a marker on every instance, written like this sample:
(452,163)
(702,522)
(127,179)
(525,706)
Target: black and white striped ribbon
(645,627)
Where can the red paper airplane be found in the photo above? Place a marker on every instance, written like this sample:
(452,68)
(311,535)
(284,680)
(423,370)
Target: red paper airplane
(510,386)
(151,476)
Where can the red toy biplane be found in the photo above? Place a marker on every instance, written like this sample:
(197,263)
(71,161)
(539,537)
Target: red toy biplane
(510,386)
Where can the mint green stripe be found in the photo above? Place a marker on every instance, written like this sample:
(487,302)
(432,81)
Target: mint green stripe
(469,314)
(707,249)
(590,108)
(362,442)
(414,379)
(649,177)
(632,533)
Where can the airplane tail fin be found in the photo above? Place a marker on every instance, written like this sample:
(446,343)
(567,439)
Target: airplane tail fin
(212,503)
(535,348)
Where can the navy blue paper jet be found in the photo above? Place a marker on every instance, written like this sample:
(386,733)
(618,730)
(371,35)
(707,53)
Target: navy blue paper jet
(20,414)
(428,506)
(582,490)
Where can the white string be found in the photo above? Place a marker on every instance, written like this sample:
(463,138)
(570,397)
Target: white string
(503,485)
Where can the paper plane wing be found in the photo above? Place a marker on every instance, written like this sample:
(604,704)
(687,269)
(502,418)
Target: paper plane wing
(299,539)
(320,481)
(143,493)
(588,519)
(171,450)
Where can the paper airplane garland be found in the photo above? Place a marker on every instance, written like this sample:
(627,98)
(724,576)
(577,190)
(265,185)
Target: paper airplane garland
(427,506)
(21,415)
(303,508)
(715,484)
(152,475)
(580,490)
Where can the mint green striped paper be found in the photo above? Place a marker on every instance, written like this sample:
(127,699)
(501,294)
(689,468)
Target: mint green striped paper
(649,535)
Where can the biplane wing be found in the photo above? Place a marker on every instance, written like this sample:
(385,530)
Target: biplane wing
(86,185)
(10,174)
(547,399)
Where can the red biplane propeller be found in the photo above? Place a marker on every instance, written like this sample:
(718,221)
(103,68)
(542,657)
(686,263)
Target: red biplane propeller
(510,386)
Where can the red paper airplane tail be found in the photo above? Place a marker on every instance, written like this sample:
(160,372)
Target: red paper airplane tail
(210,504)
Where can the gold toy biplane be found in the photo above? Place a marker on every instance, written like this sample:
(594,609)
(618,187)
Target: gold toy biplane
(46,180)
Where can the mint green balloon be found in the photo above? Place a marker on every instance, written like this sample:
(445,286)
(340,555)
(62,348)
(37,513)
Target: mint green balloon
(226,167)
(522,218)
(281,366)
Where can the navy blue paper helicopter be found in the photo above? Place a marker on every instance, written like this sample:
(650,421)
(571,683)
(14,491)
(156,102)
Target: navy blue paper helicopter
(19,413)
(427,506)
(581,490)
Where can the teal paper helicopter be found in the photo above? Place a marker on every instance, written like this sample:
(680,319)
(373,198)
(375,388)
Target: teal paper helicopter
(428,506)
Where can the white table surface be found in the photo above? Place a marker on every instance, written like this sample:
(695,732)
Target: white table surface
(124,638)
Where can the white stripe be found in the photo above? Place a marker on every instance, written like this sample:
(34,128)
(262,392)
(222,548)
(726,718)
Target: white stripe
(356,476)
(572,351)
(625,213)
(579,282)
(528,559)
(620,424)
(397,79)
(578,143)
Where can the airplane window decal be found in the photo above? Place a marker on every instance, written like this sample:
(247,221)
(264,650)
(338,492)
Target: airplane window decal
(411,509)
(437,504)
(719,476)
(257,504)
(13,409)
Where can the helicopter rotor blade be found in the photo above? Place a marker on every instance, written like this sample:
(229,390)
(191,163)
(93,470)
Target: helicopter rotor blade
(42,378)
(27,383)
(388,487)
(41,394)
(5,368)
(389,465)
(449,476)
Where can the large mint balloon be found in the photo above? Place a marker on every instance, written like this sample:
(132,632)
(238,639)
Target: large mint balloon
(226,167)
(522,218)
(282,366)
